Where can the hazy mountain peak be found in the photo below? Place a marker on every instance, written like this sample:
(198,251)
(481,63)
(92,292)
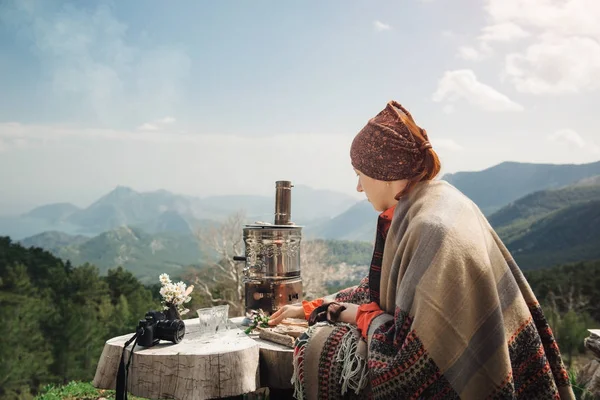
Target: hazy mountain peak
(161,192)
(591,181)
(122,191)
(52,211)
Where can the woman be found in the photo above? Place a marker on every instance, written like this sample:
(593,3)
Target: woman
(444,313)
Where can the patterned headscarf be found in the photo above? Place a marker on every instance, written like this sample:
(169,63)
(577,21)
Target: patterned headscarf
(385,149)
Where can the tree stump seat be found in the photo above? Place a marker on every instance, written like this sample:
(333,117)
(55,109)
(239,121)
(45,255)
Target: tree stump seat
(589,375)
(229,364)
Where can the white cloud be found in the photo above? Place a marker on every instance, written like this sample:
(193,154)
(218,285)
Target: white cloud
(12,137)
(565,17)
(148,127)
(156,125)
(171,160)
(567,136)
(168,159)
(464,85)
(571,138)
(448,109)
(555,45)
(91,61)
(503,32)
(380,26)
(556,65)
(471,53)
(446,144)
(166,120)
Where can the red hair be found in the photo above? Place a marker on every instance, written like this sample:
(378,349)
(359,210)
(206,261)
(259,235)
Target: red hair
(430,167)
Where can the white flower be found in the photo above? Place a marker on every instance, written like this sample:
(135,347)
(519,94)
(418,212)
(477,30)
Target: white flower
(174,294)
(164,279)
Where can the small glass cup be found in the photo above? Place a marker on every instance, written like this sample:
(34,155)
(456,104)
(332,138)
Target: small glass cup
(207,322)
(221,314)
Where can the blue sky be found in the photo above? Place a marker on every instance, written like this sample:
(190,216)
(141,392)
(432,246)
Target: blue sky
(205,98)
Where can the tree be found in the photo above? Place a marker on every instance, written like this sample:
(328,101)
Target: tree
(119,321)
(84,318)
(131,299)
(313,269)
(56,317)
(568,320)
(583,279)
(226,240)
(24,351)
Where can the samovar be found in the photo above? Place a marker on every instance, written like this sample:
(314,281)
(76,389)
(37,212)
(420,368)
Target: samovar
(272,257)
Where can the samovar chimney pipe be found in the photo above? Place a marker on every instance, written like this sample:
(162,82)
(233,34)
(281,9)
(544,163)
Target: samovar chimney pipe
(283,203)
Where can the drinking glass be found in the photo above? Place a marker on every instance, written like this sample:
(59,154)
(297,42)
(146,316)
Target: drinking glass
(221,314)
(208,323)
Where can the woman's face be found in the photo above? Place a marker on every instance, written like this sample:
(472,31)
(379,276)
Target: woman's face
(378,192)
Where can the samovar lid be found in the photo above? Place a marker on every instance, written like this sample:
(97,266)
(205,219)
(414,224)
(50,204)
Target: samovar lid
(268,225)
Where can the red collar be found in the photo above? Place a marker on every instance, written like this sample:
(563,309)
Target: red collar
(389,213)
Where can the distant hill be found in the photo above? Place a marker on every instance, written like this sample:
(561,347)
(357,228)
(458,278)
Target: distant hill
(162,211)
(172,222)
(53,241)
(53,212)
(19,227)
(594,180)
(325,214)
(358,223)
(144,255)
(515,218)
(490,189)
(310,204)
(125,206)
(571,234)
(497,186)
(553,227)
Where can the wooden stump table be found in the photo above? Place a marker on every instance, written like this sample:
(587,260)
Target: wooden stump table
(276,361)
(589,375)
(229,364)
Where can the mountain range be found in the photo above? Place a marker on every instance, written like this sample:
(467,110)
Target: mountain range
(161,211)
(542,229)
(145,255)
(491,189)
(495,187)
(553,227)
(150,233)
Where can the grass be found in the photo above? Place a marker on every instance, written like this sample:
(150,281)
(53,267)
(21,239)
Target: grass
(78,391)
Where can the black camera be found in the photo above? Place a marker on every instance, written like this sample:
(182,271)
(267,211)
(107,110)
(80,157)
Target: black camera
(156,327)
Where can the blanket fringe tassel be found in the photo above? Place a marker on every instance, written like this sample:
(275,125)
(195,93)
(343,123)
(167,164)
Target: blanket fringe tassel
(355,374)
(299,362)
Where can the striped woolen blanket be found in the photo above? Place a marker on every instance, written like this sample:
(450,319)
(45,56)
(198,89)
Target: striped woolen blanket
(460,319)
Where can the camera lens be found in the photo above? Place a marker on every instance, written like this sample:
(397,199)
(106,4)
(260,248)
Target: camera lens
(171,330)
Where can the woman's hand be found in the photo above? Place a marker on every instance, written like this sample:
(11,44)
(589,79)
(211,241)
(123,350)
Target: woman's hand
(287,311)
